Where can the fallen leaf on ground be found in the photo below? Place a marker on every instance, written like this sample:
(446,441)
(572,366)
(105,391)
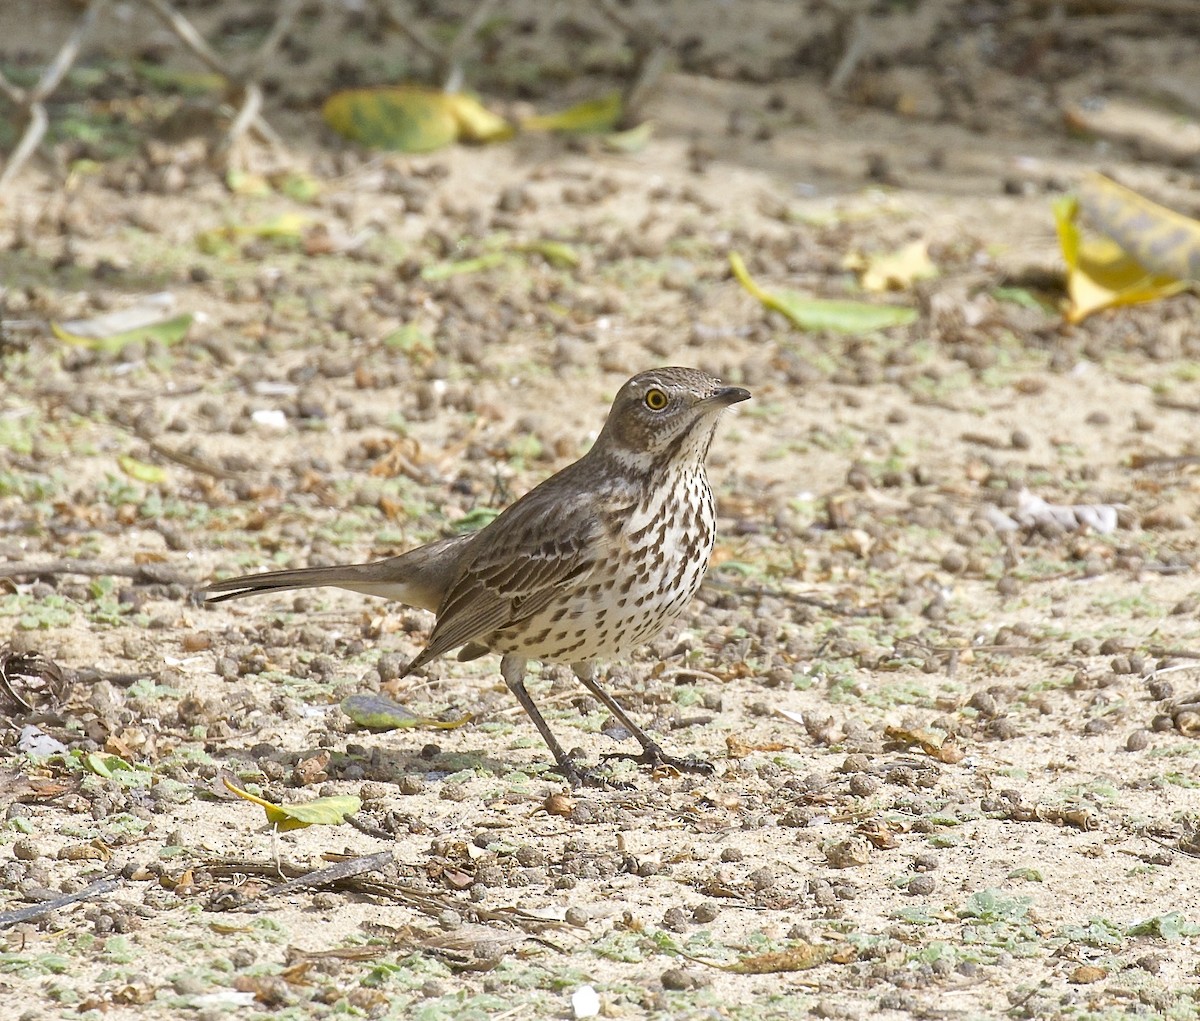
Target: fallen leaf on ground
(377,712)
(141,471)
(947,750)
(149,319)
(411,119)
(1101,273)
(285,230)
(739,748)
(823,313)
(321,811)
(894,271)
(592,116)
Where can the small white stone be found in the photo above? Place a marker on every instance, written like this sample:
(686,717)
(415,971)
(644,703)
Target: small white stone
(270,418)
(585,1002)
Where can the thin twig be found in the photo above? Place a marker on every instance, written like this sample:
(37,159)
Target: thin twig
(614,14)
(409,31)
(248,115)
(196,464)
(35,130)
(153,573)
(96,889)
(283,24)
(51,78)
(452,62)
(334,873)
(856,47)
(188,35)
(15,93)
(649,70)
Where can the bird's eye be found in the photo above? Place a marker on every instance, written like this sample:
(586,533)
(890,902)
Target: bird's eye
(656,400)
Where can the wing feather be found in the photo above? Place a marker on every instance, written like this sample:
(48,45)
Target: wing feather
(536,549)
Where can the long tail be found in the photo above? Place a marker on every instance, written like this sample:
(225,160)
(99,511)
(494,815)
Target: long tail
(418,578)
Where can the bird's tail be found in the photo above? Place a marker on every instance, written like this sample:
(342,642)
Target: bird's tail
(418,578)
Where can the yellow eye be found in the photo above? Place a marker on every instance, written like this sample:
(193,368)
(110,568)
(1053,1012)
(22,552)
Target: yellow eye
(656,400)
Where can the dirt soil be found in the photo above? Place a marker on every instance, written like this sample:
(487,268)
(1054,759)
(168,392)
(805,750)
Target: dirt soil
(955,737)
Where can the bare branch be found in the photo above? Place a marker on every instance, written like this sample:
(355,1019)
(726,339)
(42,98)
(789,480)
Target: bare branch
(408,30)
(30,140)
(188,35)
(31,100)
(452,63)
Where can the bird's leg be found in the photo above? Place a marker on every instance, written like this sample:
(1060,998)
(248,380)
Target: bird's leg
(512,669)
(652,753)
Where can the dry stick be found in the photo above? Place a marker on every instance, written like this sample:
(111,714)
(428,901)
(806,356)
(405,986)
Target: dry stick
(334,873)
(452,62)
(158,573)
(411,32)
(101,886)
(196,464)
(652,52)
(856,45)
(252,104)
(650,69)
(195,42)
(51,78)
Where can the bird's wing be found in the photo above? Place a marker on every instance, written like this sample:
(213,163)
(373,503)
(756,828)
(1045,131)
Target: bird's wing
(535,549)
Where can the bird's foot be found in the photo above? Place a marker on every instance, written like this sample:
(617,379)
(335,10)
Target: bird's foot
(654,757)
(587,776)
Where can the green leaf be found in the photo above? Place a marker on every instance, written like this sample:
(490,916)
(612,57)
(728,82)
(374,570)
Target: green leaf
(320,812)
(86,333)
(106,765)
(193,83)
(410,339)
(378,712)
(1171,926)
(591,117)
(141,471)
(299,186)
(852,317)
(559,254)
(476,518)
(442,270)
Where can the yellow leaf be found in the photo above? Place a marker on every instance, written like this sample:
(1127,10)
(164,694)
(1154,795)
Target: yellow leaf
(241,182)
(631,140)
(285,229)
(476,123)
(1100,274)
(897,271)
(410,119)
(590,117)
(141,471)
(1160,239)
(322,811)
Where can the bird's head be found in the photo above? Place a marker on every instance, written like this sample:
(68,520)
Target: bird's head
(666,416)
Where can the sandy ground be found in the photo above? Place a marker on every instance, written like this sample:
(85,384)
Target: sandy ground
(955,761)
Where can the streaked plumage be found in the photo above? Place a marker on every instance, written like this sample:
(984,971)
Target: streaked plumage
(596,560)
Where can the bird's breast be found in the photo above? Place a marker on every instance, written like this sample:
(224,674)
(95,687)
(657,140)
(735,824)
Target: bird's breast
(659,550)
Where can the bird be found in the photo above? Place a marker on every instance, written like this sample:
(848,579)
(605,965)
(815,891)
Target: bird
(594,561)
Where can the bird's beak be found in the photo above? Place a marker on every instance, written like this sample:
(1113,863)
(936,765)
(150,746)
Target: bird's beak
(726,396)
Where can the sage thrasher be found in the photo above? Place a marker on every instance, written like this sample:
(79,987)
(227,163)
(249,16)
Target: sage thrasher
(593,562)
